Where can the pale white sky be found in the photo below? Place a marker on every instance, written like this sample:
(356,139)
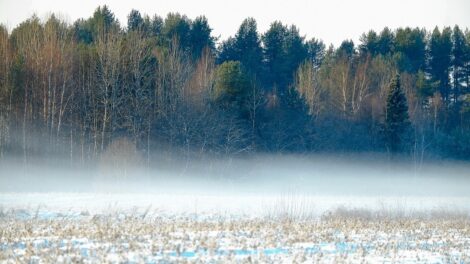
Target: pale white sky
(330,20)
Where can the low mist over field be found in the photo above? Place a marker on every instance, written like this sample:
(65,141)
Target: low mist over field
(255,185)
(307,174)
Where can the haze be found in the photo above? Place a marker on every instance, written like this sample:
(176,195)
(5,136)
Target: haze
(252,185)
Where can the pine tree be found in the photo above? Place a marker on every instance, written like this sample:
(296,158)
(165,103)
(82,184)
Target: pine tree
(440,48)
(397,121)
(134,20)
(458,62)
(231,85)
(244,47)
(200,37)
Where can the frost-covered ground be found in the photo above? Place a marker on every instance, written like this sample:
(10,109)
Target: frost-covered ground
(266,210)
(243,204)
(152,228)
(144,237)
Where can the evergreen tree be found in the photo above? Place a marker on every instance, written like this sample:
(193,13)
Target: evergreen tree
(385,42)
(467,62)
(284,51)
(411,47)
(245,47)
(227,51)
(377,44)
(249,44)
(396,117)
(82,31)
(103,21)
(458,62)
(274,53)
(440,47)
(296,52)
(134,21)
(178,27)
(156,26)
(200,36)
(346,49)
(231,86)
(369,43)
(316,51)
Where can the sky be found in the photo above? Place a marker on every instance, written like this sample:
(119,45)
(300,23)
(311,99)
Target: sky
(330,20)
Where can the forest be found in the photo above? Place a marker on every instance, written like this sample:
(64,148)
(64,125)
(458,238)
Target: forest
(161,85)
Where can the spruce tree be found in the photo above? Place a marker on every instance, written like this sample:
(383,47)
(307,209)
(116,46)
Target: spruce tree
(397,122)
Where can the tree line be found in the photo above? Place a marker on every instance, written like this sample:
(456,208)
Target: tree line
(169,84)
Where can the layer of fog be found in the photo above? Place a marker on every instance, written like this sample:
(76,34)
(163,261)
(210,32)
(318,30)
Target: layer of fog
(244,185)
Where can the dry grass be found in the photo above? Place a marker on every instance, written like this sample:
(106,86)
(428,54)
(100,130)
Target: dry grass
(342,236)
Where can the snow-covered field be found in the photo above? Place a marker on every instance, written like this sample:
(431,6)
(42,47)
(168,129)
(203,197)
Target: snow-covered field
(245,204)
(265,210)
(158,228)
(141,237)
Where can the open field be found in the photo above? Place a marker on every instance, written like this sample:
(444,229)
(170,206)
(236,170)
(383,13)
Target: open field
(240,211)
(152,236)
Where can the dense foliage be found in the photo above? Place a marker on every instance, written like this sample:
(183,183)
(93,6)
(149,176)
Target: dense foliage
(165,84)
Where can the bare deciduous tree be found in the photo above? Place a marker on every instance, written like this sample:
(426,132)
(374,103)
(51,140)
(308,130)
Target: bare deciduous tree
(108,47)
(308,87)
